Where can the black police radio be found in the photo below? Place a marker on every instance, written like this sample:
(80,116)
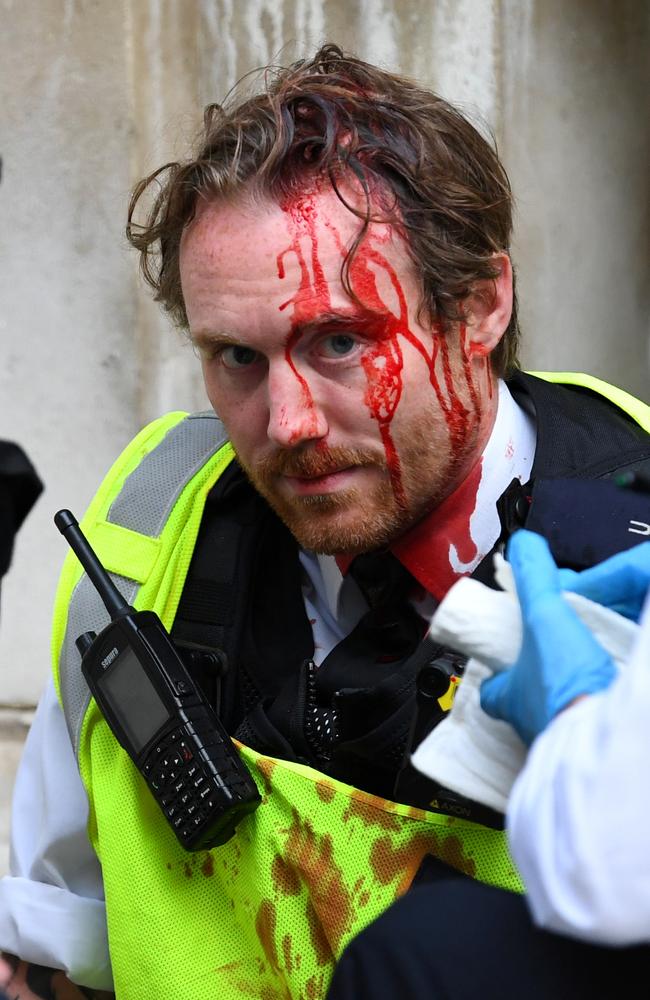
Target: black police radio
(158,714)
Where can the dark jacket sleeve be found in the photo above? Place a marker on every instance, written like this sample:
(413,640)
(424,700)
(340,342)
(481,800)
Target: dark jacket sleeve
(20,487)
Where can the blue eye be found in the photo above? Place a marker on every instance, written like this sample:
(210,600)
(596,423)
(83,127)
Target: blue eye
(338,345)
(238,356)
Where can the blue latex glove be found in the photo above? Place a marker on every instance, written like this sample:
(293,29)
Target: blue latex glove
(620,583)
(559,659)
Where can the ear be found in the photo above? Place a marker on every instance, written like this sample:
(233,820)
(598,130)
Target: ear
(489,306)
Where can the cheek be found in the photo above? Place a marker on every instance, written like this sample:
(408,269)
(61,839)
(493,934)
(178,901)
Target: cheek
(218,399)
(418,395)
(239,412)
(422,412)
(246,432)
(349,410)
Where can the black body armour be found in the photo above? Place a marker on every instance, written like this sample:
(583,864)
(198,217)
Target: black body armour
(355,716)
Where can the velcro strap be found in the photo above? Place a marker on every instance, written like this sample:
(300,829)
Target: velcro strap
(118,547)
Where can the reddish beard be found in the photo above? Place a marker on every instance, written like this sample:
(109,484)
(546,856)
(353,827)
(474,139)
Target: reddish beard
(344,520)
(349,520)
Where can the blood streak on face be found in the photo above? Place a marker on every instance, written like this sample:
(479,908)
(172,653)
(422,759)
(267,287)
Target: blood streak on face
(383,364)
(302,215)
(471,348)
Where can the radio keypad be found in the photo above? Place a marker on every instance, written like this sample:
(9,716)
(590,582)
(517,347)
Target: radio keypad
(181,768)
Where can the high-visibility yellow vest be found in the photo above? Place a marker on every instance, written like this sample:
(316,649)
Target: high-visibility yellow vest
(267,914)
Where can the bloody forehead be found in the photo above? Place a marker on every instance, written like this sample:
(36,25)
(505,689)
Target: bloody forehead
(347,219)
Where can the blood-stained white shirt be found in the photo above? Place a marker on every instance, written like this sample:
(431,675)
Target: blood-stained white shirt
(579,814)
(52,909)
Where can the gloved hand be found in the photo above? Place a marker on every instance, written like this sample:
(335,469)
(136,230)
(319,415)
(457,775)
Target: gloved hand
(559,658)
(620,583)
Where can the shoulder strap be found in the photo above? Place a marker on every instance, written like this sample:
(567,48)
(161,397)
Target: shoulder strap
(212,613)
(143,524)
(635,408)
(242,596)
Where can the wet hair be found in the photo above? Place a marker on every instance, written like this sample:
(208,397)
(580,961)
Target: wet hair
(440,182)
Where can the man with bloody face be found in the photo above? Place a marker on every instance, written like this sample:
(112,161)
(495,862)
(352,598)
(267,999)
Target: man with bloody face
(338,252)
(352,417)
(352,307)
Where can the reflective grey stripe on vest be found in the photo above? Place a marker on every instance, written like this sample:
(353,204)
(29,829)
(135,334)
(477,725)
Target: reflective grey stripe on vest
(143,505)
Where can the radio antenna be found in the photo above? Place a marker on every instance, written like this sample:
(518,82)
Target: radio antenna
(114,603)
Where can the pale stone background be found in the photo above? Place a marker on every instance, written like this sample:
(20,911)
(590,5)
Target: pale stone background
(93,94)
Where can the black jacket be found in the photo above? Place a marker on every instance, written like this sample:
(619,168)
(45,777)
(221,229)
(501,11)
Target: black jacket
(19,489)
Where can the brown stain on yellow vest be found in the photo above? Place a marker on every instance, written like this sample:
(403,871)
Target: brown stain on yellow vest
(266,767)
(310,855)
(451,851)
(415,813)
(372,811)
(285,877)
(322,948)
(228,967)
(314,988)
(325,791)
(389,862)
(286,953)
(265,926)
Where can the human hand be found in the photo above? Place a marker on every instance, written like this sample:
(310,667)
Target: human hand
(559,658)
(620,582)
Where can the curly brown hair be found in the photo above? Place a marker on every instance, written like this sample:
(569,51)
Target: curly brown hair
(448,192)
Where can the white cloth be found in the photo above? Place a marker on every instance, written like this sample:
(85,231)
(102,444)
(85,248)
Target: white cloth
(51,903)
(579,813)
(470,752)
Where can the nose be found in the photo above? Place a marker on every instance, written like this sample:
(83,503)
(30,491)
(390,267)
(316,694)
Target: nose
(294,414)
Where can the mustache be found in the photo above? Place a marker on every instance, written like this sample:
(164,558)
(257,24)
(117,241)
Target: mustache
(313,462)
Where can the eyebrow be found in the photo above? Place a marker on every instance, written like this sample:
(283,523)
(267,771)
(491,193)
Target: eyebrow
(361,317)
(202,337)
